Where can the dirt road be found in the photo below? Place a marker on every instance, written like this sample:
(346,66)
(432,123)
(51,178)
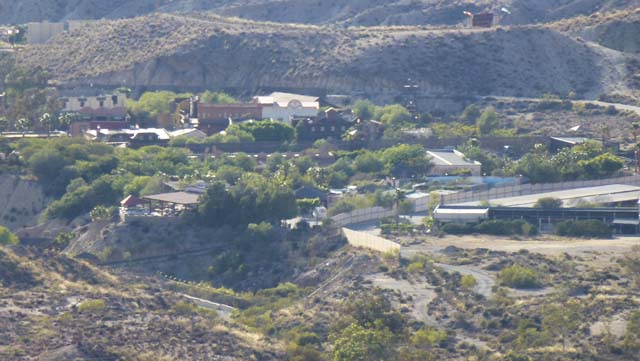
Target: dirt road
(601,249)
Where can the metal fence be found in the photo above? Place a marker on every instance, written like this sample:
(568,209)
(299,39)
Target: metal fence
(362,215)
(527,189)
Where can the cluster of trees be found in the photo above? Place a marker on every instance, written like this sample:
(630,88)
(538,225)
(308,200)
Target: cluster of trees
(584,161)
(370,329)
(253,199)
(30,102)
(81,175)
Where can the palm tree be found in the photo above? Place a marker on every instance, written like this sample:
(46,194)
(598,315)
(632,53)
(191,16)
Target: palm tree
(398,198)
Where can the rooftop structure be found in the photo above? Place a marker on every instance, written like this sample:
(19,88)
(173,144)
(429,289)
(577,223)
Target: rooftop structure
(615,193)
(182,198)
(285,106)
(188,133)
(130,137)
(450,162)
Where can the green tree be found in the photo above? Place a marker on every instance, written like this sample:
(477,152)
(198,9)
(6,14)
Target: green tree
(562,320)
(548,203)
(404,160)
(210,97)
(488,122)
(470,114)
(368,162)
(394,115)
(6,237)
(356,343)
(364,109)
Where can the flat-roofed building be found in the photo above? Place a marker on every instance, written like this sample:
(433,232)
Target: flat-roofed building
(452,162)
(286,106)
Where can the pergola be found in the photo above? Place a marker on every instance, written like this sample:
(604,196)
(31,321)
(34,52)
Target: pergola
(171,200)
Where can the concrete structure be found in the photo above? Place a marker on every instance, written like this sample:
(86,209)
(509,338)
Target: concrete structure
(481,20)
(447,214)
(450,162)
(41,32)
(286,106)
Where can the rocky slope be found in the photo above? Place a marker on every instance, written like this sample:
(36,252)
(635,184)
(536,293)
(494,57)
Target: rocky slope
(189,52)
(21,202)
(56,308)
(351,12)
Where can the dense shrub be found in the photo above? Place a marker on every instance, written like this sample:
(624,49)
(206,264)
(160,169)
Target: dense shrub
(586,229)
(505,228)
(456,228)
(6,237)
(517,276)
(494,227)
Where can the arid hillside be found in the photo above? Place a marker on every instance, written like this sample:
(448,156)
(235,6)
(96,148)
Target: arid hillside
(56,308)
(351,12)
(189,52)
(20,202)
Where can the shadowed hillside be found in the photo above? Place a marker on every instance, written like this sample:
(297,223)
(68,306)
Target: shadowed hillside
(213,52)
(351,12)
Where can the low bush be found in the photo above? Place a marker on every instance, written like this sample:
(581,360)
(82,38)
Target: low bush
(517,276)
(583,229)
(92,306)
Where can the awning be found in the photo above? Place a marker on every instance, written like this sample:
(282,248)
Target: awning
(629,221)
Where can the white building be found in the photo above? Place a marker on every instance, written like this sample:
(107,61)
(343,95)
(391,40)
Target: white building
(106,101)
(285,106)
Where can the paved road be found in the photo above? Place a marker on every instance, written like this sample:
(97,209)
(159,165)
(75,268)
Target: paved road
(223,311)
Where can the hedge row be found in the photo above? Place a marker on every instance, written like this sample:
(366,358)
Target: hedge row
(493,227)
(584,229)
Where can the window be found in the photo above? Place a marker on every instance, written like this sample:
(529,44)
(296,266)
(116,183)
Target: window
(82,102)
(333,129)
(313,129)
(322,129)
(101,103)
(114,99)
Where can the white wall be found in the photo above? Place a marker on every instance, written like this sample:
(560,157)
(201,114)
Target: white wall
(74,103)
(284,114)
